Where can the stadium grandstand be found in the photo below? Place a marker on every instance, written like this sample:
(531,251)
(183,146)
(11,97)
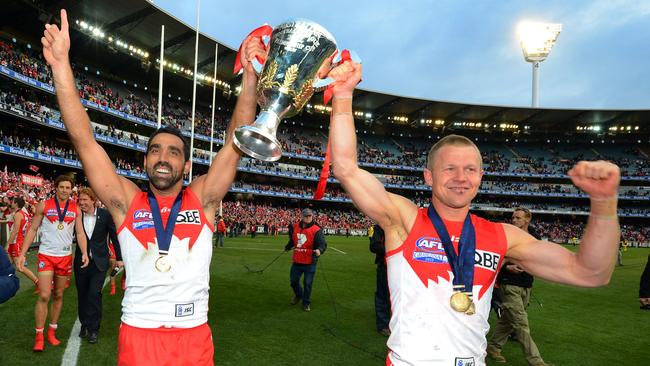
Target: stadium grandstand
(526,151)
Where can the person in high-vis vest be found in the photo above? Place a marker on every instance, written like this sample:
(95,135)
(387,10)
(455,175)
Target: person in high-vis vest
(308,243)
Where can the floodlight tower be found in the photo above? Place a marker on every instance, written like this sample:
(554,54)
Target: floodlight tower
(536,41)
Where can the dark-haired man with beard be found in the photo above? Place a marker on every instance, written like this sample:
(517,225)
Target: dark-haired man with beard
(165,234)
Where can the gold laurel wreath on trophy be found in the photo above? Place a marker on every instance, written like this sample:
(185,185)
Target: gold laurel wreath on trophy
(306,91)
(300,98)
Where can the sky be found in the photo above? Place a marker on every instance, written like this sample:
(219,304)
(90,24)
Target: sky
(466,51)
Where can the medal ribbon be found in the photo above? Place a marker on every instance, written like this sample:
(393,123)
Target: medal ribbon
(462,265)
(164,235)
(58,209)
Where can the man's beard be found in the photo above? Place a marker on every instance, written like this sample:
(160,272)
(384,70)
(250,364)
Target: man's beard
(159,183)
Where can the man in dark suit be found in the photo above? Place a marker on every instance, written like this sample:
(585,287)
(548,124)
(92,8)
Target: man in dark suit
(382,295)
(98,227)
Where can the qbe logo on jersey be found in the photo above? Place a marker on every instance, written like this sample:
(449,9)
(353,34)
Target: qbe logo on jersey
(189,217)
(486,260)
(429,249)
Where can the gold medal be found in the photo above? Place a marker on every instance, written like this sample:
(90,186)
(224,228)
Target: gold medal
(460,301)
(60,227)
(163,264)
(471,310)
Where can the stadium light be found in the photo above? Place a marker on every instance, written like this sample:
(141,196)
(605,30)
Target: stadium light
(536,41)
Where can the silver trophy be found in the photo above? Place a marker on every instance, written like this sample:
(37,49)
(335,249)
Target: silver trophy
(297,50)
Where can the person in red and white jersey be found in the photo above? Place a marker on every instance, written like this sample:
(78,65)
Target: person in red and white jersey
(18,226)
(442,262)
(57,219)
(165,235)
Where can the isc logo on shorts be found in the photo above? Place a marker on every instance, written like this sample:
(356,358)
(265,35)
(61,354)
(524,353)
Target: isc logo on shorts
(464,361)
(184,310)
(41,264)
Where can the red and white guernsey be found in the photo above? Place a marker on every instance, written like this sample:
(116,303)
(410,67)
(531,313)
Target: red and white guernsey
(425,330)
(55,242)
(20,238)
(177,298)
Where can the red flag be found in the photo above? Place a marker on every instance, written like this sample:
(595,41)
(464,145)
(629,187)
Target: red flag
(33,168)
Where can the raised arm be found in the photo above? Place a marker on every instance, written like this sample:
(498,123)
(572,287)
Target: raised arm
(212,187)
(30,235)
(392,212)
(113,190)
(593,263)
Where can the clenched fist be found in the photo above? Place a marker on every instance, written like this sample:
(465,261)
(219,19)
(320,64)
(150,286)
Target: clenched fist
(346,77)
(598,179)
(252,48)
(56,42)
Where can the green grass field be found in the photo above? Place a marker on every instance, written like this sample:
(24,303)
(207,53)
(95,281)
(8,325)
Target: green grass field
(253,323)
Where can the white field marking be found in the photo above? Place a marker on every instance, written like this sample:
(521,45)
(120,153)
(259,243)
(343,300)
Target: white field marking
(267,249)
(244,248)
(71,353)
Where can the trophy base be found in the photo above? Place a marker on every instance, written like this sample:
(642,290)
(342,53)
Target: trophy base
(257,143)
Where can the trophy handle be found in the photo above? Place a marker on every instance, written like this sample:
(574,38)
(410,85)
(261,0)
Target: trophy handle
(264,32)
(257,65)
(322,84)
(353,56)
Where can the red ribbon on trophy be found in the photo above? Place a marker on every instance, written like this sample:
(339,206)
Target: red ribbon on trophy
(327,96)
(324,174)
(261,32)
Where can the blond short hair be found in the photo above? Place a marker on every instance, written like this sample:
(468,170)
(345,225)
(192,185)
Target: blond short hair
(526,212)
(450,140)
(88,192)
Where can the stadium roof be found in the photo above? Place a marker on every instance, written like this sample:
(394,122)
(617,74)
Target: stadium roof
(139,22)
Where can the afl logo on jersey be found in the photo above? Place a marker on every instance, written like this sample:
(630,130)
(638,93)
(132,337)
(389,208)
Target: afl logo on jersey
(142,219)
(429,249)
(430,244)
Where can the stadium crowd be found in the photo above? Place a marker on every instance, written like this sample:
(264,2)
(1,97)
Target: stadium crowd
(402,152)
(244,213)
